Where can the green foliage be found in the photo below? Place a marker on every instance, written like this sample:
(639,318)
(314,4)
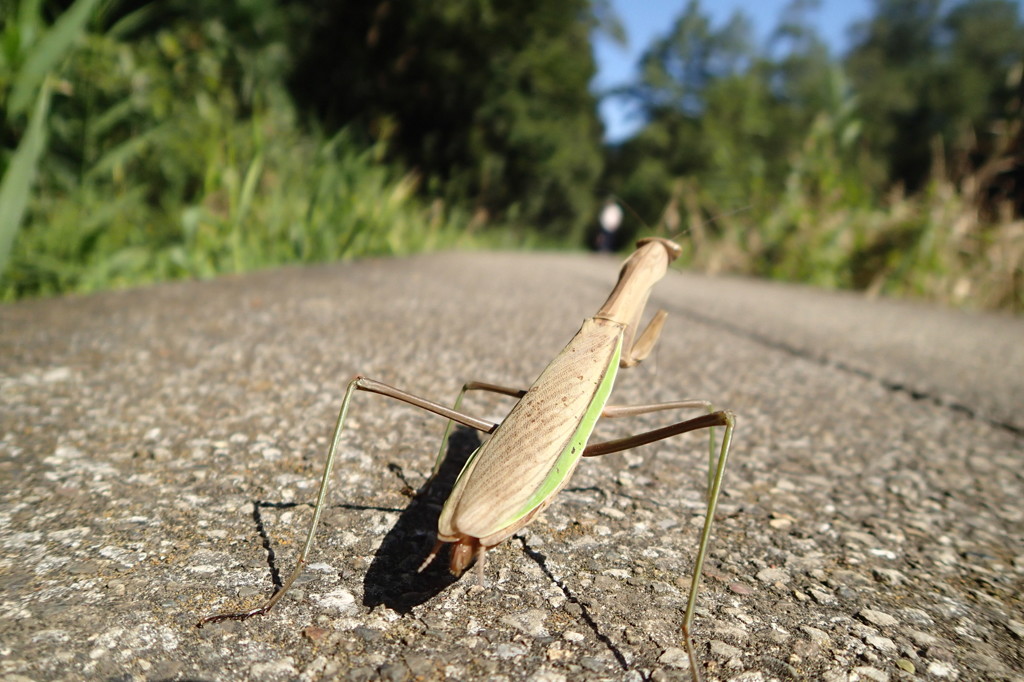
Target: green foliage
(154,140)
(721,112)
(488,99)
(174,159)
(922,75)
(20,175)
(778,164)
(827,229)
(30,50)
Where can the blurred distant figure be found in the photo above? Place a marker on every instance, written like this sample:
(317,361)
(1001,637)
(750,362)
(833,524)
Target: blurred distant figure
(610,219)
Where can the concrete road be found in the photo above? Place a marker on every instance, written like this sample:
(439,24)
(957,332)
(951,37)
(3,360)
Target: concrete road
(160,448)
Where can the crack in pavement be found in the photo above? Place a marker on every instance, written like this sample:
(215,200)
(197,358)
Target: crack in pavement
(541,561)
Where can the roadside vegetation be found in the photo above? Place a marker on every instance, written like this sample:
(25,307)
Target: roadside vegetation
(145,141)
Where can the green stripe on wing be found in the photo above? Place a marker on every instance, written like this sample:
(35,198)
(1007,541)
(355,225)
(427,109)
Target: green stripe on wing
(574,449)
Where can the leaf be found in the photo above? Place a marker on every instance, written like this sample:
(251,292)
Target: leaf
(16,186)
(249,185)
(46,53)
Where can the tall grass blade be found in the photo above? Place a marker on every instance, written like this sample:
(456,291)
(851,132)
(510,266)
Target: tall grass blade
(45,54)
(16,185)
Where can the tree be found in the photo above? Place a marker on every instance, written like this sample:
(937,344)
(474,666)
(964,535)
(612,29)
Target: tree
(679,75)
(721,111)
(488,99)
(923,76)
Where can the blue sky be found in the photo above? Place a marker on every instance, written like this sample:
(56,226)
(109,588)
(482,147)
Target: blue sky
(645,20)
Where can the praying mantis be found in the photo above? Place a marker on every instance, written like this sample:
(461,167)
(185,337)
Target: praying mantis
(531,454)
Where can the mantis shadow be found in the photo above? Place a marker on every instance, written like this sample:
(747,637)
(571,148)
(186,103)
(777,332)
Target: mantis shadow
(393,578)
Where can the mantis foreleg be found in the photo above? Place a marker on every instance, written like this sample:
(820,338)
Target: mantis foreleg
(644,343)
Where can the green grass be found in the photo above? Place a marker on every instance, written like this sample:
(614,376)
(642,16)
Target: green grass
(267,195)
(826,230)
(178,157)
(148,162)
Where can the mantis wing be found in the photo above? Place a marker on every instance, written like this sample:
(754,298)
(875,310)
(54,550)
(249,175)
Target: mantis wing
(531,455)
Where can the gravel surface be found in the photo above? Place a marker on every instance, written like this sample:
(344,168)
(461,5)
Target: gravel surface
(159,449)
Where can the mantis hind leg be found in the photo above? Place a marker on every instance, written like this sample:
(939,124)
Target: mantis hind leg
(614,411)
(716,472)
(358,383)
